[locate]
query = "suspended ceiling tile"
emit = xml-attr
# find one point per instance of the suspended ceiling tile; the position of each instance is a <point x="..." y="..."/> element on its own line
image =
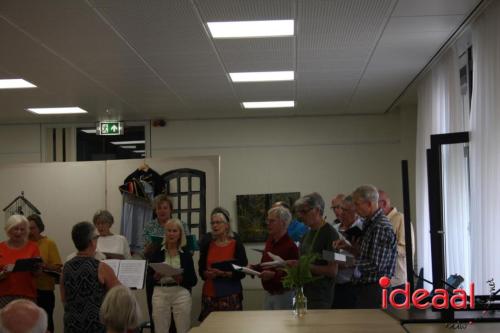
<point x="341" y="24"/>
<point x="265" y="91"/>
<point x="244" y="10"/>
<point x="434" y="7"/>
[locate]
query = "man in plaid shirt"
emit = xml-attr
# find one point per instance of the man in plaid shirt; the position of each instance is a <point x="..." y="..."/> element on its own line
<point x="375" y="250"/>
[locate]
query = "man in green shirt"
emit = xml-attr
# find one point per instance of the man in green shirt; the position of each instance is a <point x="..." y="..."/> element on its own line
<point x="310" y="209"/>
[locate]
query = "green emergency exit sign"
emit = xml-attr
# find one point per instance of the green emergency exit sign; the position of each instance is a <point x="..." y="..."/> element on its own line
<point x="110" y="128"/>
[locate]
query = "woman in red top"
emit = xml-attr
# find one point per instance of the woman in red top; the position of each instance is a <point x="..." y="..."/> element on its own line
<point x="14" y="285"/>
<point x="222" y="289"/>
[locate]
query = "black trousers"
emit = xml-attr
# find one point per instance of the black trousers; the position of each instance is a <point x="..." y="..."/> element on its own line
<point x="368" y="296"/>
<point x="345" y="296"/>
<point x="46" y="300"/>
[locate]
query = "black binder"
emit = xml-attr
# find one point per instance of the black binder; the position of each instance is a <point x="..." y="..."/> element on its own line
<point x="27" y="265"/>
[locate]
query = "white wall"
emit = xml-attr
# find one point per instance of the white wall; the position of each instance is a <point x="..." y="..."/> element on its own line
<point x="324" y="154"/>
<point x="20" y="143"/>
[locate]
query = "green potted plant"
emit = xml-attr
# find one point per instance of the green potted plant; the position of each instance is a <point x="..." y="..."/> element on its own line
<point x="297" y="276"/>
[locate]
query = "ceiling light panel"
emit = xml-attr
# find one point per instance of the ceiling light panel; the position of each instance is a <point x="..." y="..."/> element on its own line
<point x="268" y="105"/>
<point x="251" y="29"/>
<point x="262" y="76"/>
<point x="15" y="84"/>
<point x="61" y="110"/>
<point x="89" y="131"/>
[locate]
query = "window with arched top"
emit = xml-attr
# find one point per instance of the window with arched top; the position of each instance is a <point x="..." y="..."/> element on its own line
<point x="187" y="189"/>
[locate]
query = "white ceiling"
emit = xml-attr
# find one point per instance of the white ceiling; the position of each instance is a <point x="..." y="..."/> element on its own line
<point x="145" y="59"/>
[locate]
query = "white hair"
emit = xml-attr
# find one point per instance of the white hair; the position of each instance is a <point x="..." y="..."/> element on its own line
<point x="367" y="193"/>
<point x="281" y="213"/>
<point x="15" y="220"/>
<point x="18" y="304"/>
<point x="120" y="310"/>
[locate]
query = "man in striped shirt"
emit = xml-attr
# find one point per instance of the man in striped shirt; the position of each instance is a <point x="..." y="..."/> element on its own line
<point x="375" y="250"/>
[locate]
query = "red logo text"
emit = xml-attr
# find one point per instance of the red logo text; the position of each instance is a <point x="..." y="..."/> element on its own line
<point x="420" y="297"/>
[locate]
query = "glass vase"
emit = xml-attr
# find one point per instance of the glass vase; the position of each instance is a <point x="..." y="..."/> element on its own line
<point x="299" y="303"/>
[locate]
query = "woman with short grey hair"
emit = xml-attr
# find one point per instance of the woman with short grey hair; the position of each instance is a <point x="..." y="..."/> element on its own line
<point x="120" y="310"/>
<point x="82" y="304"/>
<point x="111" y="245"/>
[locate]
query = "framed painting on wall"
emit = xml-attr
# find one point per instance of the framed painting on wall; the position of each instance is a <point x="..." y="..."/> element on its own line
<point x="252" y="212"/>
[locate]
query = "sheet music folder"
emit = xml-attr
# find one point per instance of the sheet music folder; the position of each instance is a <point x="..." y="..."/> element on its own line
<point x="226" y="266"/>
<point x="27" y="265"/>
<point x="130" y="273"/>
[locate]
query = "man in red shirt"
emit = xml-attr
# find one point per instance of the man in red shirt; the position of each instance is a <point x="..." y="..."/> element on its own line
<point x="280" y="244"/>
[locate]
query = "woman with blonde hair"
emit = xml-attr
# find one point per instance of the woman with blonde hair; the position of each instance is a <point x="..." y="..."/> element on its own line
<point x="172" y="294"/>
<point x="120" y="311"/>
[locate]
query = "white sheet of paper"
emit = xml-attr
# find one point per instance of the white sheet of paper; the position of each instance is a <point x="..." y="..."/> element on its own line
<point x="165" y="269"/>
<point x="277" y="261"/>
<point x="245" y="270"/>
<point x="344" y="256"/>
<point x="114" y="264"/>
<point x="132" y="273"/>
<point x="273" y="263"/>
<point x="275" y="257"/>
<point x="129" y="272"/>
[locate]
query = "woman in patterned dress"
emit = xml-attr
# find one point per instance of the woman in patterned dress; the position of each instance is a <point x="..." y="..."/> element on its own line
<point x="84" y="283"/>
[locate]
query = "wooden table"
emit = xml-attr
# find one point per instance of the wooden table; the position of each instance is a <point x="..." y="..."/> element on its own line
<point x="315" y="321"/>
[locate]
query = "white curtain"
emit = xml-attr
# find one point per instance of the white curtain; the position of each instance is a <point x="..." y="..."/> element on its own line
<point x="485" y="149"/>
<point x="440" y="111"/>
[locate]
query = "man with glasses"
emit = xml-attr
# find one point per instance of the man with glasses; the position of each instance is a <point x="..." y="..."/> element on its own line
<point x="337" y="208"/>
<point x="343" y="285"/>
<point x="375" y="252"/>
<point x="280" y="244"/>
<point x="310" y="209"/>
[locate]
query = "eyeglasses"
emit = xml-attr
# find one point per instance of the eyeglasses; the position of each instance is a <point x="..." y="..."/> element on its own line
<point x="304" y="211"/>
<point x="216" y="222"/>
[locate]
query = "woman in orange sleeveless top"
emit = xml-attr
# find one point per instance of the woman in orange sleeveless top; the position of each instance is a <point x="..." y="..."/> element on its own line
<point x="222" y="290"/>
